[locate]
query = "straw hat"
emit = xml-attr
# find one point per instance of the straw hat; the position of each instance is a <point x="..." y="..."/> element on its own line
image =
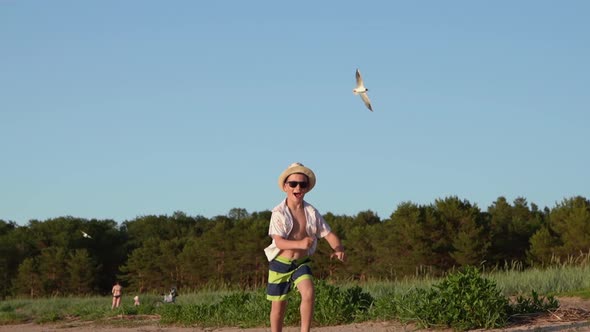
<point x="297" y="168"/>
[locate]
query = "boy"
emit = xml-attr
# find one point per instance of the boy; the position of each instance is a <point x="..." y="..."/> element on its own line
<point x="295" y="226"/>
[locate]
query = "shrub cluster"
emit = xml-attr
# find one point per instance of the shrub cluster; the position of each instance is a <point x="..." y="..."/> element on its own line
<point x="464" y="300"/>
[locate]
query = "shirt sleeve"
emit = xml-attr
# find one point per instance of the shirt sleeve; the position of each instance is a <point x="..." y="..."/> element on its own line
<point x="323" y="228"/>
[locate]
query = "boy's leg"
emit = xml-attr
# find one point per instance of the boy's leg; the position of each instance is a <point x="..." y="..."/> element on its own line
<point x="277" y="315"/>
<point x="307" y="292"/>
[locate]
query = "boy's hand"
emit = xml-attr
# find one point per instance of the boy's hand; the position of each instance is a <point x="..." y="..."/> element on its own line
<point x="306" y="243"/>
<point x="338" y="254"/>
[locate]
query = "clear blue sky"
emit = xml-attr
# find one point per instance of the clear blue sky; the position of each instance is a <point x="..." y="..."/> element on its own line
<point x="118" y="109"/>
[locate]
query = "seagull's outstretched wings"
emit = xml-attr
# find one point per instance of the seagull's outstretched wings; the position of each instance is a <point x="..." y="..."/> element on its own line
<point x="366" y="100"/>
<point x="84" y="234"/>
<point x="362" y="90"/>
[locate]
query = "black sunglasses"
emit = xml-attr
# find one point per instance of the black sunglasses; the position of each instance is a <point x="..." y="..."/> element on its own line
<point x="294" y="184"/>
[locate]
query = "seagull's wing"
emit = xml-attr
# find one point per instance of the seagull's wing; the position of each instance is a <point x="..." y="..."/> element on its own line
<point x="366" y="101"/>
<point x="359" y="80"/>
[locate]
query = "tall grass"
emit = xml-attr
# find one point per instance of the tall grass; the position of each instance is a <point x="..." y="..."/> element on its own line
<point x="551" y="280"/>
<point x="53" y="309"/>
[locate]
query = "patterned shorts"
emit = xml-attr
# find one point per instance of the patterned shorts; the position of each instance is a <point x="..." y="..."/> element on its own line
<point x="284" y="274"/>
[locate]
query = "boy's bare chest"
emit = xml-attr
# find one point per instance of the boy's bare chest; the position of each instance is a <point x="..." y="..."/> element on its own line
<point x="299" y="227"/>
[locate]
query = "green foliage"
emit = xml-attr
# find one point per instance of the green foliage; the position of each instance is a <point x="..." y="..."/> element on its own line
<point x="237" y="309"/>
<point x="570" y="221"/>
<point x="9" y="257"/>
<point x="49" y="317"/>
<point x="28" y="280"/>
<point x="554" y="279"/>
<point x="511" y="226"/>
<point x="11" y="313"/>
<point x="533" y="304"/>
<point x="151" y="253"/>
<point x="81" y="272"/>
<point x="335" y="305"/>
<point x="583" y="293"/>
<point x="89" y="310"/>
<point x="543" y="244"/>
<point x="464" y="300"/>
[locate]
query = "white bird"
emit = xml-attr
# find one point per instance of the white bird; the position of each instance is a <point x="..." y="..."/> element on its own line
<point x="86" y="235"/>
<point x="361" y="90"/>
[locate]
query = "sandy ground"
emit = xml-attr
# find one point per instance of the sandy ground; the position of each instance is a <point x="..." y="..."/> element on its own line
<point x="373" y="327"/>
<point x="573" y="315"/>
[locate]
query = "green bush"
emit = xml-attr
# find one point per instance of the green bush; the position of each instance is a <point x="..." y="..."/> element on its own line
<point x="335" y="305"/>
<point x="533" y="304"/>
<point x="464" y="300"/>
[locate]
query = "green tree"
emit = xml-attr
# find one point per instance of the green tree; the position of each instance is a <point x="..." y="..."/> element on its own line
<point x="9" y="258"/>
<point x="53" y="274"/>
<point x="360" y="251"/>
<point x="220" y="246"/>
<point x="543" y="246"/>
<point x="251" y="267"/>
<point x="565" y="233"/>
<point x="385" y="249"/>
<point x="81" y="272"/>
<point x="511" y="227"/>
<point x="323" y="266"/>
<point x="198" y="266"/>
<point x="367" y="217"/>
<point x="28" y="280"/>
<point x="107" y="250"/>
<point x="408" y="240"/>
<point x="142" y="271"/>
<point x="571" y="221"/>
<point x="471" y="244"/>
<point x="169" y="262"/>
<point x="455" y="222"/>
<point x="238" y="214"/>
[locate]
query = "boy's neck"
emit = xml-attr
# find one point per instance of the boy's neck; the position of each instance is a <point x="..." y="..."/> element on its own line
<point x="295" y="205"/>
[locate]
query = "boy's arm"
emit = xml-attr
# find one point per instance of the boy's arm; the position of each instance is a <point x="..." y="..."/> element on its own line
<point x="285" y="244"/>
<point x="336" y="245"/>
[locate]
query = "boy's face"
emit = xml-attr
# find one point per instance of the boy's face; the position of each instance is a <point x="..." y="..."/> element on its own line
<point x="296" y="187"/>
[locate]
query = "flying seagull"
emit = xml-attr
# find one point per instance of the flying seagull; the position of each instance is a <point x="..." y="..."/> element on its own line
<point x="86" y="235"/>
<point x="361" y="90"/>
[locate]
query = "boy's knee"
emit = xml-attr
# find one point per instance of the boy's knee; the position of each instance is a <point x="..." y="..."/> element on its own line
<point x="307" y="292"/>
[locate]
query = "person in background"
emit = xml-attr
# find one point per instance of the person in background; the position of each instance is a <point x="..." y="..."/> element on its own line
<point x="117" y="292"/>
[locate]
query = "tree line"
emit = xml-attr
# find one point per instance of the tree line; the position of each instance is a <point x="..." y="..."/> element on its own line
<point x="153" y="252"/>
